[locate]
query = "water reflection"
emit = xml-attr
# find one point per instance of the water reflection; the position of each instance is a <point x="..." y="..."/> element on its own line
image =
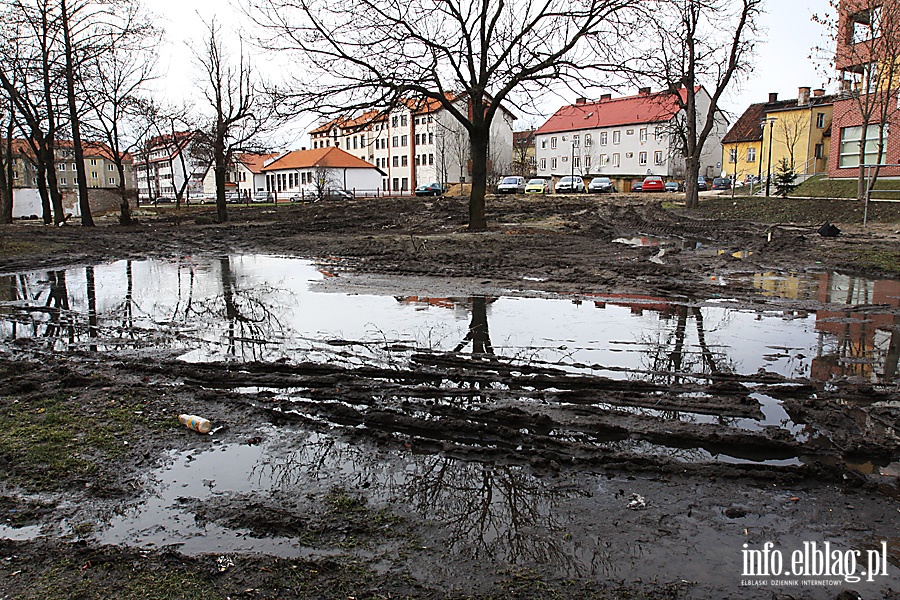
<point x="270" y="308"/>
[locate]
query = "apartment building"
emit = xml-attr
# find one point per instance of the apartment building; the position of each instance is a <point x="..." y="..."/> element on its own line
<point x="866" y="112"/>
<point x="797" y="129"/>
<point x="417" y="142"/>
<point x="167" y="164"/>
<point x="100" y="167"/>
<point x="622" y="138"/>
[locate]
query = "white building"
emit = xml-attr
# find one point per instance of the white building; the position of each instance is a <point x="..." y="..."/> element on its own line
<point x="307" y="172"/>
<point x="167" y="165"/>
<point x="416" y="143"/>
<point x="244" y="177"/>
<point x="623" y="138"/>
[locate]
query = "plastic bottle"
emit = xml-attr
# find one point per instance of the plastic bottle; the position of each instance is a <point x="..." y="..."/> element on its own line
<point x="196" y="423"/>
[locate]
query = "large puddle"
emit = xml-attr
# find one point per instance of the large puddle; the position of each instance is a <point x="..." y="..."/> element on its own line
<point x="269" y="308"/>
<point x="272" y="308"/>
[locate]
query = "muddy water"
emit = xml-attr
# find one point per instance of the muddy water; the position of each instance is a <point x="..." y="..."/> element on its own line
<point x="270" y="308"/>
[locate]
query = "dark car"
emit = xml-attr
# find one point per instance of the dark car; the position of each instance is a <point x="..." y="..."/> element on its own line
<point x="673" y="186"/>
<point x="701" y="184"/>
<point x="335" y="195"/>
<point x="721" y="183"/>
<point x="637" y="186"/>
<point x="653" y="183"/>
<point x="430" y="189"/>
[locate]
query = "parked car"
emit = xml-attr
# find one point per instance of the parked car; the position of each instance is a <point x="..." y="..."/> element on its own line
<point x="569" y="184"/>
<point x="601" y="184"/>
<point x="537" y="186"/>
<point x="637" y="185"/>
<point x="673" y="186"/>
<point x="430" y="189"/>
<point x="653" y="183"/>
<point x="232" y="197"/>
<point x="721" y="183"/>
<point x="511" y="185"/>
<point x="263" y="196"/>
<point x="701" y="184"/>
<point x="335" y="195"/>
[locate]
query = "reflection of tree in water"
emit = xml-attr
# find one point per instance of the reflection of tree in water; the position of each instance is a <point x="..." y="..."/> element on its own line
<point x="249" y="317"/>
<point x="669" y="357"/>
<point x="478" y="334"/>
<point x="489" y="512"/>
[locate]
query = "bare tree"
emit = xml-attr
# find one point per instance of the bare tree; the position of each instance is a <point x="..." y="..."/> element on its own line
<point x="119" y="114"/>
<point x="29" y="77"/>
<point x="868" y="56"/>
<point x="7" y="161"/>
<point x="240" y="113"/>
<point x="791" y="127"/>
<point x="469" y="57"/>
<point x="694" y="45"/>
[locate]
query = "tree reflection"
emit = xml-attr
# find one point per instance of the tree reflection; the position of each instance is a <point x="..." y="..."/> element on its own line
<point x="478" y="334"/>
<point x="488" y="512"/>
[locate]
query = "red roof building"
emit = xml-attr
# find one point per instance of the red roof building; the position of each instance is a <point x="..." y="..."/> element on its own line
<point x="625" y="138"/>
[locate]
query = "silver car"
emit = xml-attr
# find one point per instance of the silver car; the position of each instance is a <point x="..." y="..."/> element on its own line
<point x="601" y="184"/>
<point x="511" y="185"/>
<point x="570" y="184"/>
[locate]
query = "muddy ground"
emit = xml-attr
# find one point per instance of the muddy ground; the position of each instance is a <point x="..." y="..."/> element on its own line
<point x="523" y="481"/>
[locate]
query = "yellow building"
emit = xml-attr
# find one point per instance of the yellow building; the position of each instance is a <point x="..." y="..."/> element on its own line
<point x="798" y="130"/>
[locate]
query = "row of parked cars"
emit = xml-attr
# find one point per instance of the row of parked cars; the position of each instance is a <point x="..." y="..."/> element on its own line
<point x="575" y="184"/>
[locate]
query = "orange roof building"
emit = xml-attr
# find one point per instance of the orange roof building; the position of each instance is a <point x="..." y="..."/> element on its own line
<point x="310" y="172"/>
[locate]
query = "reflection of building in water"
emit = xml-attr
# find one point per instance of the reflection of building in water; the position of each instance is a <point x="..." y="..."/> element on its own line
<point x="867" y="343"/>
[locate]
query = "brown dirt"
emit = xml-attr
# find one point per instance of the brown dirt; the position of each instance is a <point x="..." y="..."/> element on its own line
<point x="366" y="550"/>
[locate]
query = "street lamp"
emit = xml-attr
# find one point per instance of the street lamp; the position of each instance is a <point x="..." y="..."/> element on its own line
<point x="771" y="123"/>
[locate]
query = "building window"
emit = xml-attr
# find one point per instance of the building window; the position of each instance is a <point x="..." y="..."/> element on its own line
<point x="110" y="167"/>
<point x="732" y="155"/>
<point x="604" y="160"/>
<point x="587" y="140"/>
<point x="553" y="143"/>
<point x="111" y="181"/>
<point x="62" y="166"/>
<point x="820" y="150"/>
<point x="543" y="164"/>
<point x="355" y="142"/>
<point x="576" y="162"/>
<point x="820" y="120"/>
<point x="394" y="124"/>
<point x="644" y="136"/>
<point x="587" y="161"/>
<point x="617" y="137"/>
<point x="616" y="161"/>
<point x="404" y="161"/>
<point x="63" y="181"/>
<point x="658" y="157"/>
<point x="430" y="138"/>
<point x="751" y="154"/>
<point x="396" y="161"/>
<point x="93" y="162"/>
<point x="404" y="184"/>
<point x="431" y="159"/>
<point x="575" y="141"/>
<point x="395" y="141"/>
<point x="543" y="144"/>
<point x="93" y="174"/>
<point x="851" y="138"/>
<point x="404" y="140"/>
<point x="553" y="163"/>
<point x="403" y="123"/>
<point x="418" y="161"/>
<point x="396" y="182"/>
<point x="642" y="158"/>
<point x="604" y="137"/>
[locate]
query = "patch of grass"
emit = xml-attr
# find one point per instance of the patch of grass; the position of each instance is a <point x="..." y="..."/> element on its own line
<point x="820" y="186"/>
<point x="882" y="259"/>
<point x="17" y="247"/>
<point x="46" y="442"/>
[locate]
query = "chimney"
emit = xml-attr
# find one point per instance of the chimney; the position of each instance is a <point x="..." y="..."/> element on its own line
<point x="818" y="93"/>
<point x="773" y="97"/>
<point x="803" y="95"/>
<point x="580" y="101"/>
<point x="644" y="91"/>
<point x="605" y="97"/>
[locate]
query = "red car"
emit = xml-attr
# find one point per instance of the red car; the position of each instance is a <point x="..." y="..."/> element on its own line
<point x="654" y="183"/>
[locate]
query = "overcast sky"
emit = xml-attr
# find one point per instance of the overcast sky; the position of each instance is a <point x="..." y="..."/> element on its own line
<point x="782" y="63"/>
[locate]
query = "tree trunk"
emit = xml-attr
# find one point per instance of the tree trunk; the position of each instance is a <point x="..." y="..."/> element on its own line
<point x="6" y="201"/>
<point x="59" y="215"/>
<point x="46" y="208"/>
<point x="691" y="189"/>
<point x="75" y="121"/>
<point x="479" y="143"/>
<point x="219" y="166"/>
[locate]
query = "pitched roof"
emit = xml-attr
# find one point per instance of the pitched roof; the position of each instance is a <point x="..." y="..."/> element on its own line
<point x="748" y="127"/>
<point x="329" y="157"/>
<point x="255" y="162"/>
<point x="630" y="110"/>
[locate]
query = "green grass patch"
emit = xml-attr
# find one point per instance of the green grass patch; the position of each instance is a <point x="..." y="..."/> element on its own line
<point x="882" y="259"/>
<point x="820" y="186"/>
<point x="46" y="442"/>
